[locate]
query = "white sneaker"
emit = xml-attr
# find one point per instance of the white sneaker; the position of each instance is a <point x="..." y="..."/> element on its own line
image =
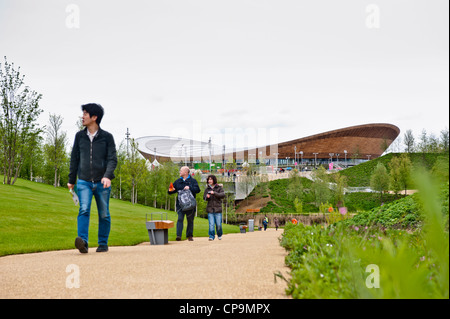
<point x="210" y="239"/>
<point x="220" y="238"/>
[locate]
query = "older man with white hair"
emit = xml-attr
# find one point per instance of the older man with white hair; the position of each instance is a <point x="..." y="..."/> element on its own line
<point x="185" y="182"/>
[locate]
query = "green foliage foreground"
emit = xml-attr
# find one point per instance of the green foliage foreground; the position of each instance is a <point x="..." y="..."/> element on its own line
<point x="36" y="217"/>
<point x="342" y="261"/>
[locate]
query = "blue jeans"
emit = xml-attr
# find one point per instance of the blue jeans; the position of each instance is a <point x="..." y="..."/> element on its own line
<point x="215" y="219"/>
<point x="85" y="192"/>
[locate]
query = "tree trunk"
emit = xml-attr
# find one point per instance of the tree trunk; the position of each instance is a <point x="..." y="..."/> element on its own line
<point x="55" y="177"/>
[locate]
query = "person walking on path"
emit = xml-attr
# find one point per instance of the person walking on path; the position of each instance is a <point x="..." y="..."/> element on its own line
<point x="276" y="222"/>
<point x="213" y="195"/>
<point x="185" y="182"/>
<point x="93" y="160"/>
<point x="265" y="222"/>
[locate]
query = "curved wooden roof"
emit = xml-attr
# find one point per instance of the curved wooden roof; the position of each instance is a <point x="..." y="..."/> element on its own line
<point x="359" y="141"/>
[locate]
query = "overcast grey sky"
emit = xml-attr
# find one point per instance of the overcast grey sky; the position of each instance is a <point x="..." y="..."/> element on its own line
<point x="174" y="67"/>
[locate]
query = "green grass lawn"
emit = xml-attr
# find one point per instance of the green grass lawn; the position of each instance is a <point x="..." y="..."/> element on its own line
<point x="36" y="217"/>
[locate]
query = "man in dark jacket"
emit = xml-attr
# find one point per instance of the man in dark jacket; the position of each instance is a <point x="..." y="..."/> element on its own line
<point x="185" y="182"/>
<point x="94" y="160"/>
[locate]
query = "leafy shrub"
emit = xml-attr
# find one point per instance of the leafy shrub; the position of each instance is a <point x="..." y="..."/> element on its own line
<point x="331" y="262"/>
<point x="402" y="213"/>
<point x="318" y="270"/>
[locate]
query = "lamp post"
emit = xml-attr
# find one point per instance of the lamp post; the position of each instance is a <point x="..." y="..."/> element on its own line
<point x="315" y="159"/>
<point x="209" y="145"/>
<point x="127" y="134"/>
<point x="295" y="154"/>
<point x="223" y="161"/>
<point x="331" y="157"/>
<point x="345" y="154"/>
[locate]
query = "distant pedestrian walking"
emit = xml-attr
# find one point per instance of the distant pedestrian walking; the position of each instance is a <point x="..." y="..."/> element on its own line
<point x="265" y="222"/>
<point x="213" y="195"/>
<point x="276" y="222"/>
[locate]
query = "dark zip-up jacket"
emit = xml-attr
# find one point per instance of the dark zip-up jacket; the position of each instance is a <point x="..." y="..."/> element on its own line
<point x="92" y="161"/>
<point x="180" y="184"/>
<point x="215" y="200"/>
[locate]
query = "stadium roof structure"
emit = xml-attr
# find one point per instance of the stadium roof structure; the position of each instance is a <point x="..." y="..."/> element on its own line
<point x="358" y="142"/>
<point x="175" y="148"/>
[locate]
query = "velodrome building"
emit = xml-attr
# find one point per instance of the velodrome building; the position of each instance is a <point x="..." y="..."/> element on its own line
<point x="350" y="145"/>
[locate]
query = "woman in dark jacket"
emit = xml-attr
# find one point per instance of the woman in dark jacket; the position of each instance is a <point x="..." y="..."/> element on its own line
<point x="213" y="195"/>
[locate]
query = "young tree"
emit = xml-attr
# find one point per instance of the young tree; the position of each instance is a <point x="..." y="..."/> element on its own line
<point x="339" y="190"/>
<point x="405" y="171"/>
<point x="33" y="164"/>
<point x="444" y="140"/>
<point x="433" y="144"/>
<point x="394" y="175"/>
<point x="295" y="186"/>
<point x="298" y="204"/>
<point x="169" y="173"/>
<point x="116" y="184"/>
<point x="409" y="141"/>
<point x="320" y="186"/>
<point x="379" y="180"/>
<point x="19" y="113"/>
<point x="55" y="148"/>
<point x="423" y="146"/>
<point x="135" y="170"/>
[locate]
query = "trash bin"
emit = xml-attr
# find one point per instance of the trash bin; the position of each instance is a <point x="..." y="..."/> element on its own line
<point x="242" y="227"/>
<point x="158" y="230"/>
<point x="251" y="225"/>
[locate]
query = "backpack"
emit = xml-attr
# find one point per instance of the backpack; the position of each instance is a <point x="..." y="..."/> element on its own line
<point x="186" y="200"/>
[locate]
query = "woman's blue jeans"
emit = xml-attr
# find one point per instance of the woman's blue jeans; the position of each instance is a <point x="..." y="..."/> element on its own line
<point x="87" y="190"/>
<point x="215" y="219"/>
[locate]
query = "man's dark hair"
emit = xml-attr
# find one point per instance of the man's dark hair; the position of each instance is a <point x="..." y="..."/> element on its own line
<point x="214" y="178"/>
<point x="94" y="109"/>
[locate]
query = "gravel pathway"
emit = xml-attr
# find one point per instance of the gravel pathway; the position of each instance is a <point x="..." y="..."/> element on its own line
<point x="240" y="266"/>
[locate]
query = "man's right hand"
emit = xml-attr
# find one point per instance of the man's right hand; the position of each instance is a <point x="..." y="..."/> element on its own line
<point x="70" y="186"/>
